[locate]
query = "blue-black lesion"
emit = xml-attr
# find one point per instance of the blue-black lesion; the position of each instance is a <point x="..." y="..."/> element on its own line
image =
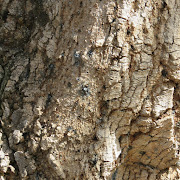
<point x="84" y="91"/>
<point x="77" y="59"/>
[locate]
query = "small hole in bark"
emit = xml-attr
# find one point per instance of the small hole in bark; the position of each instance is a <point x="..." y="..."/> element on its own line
<point x="4" y="16"/>
<point x="94" y="160"/>
<point x="132" y="47"/>
<point x="142" y="152"/>
<point x="128" y="32"/>
<point x="104" y="87"/>
<point x="90" y="53"/>
<point x="115" y="8"/>
<point x="129" y="148"/>
<point x="164" y="73"/>
<point x="81" y="4"/>
<point x="164" y="4"/>
<point x="26" y="135"/>
<point x="69" y="85"/>
<point x="95" y="138"/>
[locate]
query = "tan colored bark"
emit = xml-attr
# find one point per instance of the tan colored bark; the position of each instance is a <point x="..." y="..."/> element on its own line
<point x="90" y="89"/>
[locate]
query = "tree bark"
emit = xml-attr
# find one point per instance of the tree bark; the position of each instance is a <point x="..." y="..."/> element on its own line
<point x="89" y="89"/>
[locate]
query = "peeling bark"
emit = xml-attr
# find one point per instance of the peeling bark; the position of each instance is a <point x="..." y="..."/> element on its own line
<point x="89" y="89"/>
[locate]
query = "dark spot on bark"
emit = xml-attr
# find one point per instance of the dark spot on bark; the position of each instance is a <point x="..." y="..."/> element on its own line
<point x="132" y="47"/>
<point x="95" y="138"/>
<point x="147" y="97"/>
<point x="145" y="31"/>
<point x="61" y="26"/>
<point x="164" y="4"/>
<point x="27" y="71"/>
<point x="5" y="14"/>
<point x="90" y="53"/>
<point x="77" y="59"/>
<point x="100" y="120"/>
<point x="128" y="32"/>
<point x="39" y="14"/>
<point x="1" y="113"/>
<point x="129" y="148"/>
<point x="104" y="105"/>
<point x="81" y="4"/>
<point x="104" y="87"/>
<point x="164" y="73"/>
<point x="84" y="91"/>
<point x="69" y="85"/>
<point x="72" y="15"/>
<point x="94" y="160"/>
<point x="142" y="152"/>
<point x="115" y="8"/>
<point x="113" y="20"/>
<point x="50" y="69"/>
<point x="29" y="20"/>
<point x="43" y="19"/>
<point x="75" y="132"/>
<point x="48" y="100"/>
<point x="51" y="66"/>
<point x="26" y="135"/>
<point x="69" y="128"/>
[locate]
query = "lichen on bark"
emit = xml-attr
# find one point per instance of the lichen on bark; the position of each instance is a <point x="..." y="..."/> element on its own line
<point x="89" y="89"/>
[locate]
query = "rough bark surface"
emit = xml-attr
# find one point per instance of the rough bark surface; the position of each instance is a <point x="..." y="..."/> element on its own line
<point x="89" y="89"/>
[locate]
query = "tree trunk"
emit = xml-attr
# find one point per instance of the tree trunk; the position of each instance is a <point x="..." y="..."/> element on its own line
<point x="89" y="89"/>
